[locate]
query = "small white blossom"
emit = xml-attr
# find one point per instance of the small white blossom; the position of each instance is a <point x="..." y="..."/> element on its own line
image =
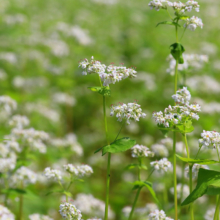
<point x="82" y="170"/>
<point x="161" y="165"/>
<point x="193" y="22"/>
<point x="5" y="214"/>
<point x="195" y="170"/>
<point x="160" y="150"/>
<point x="18" y="121"/>
<point x="209" y="215"/>
<point x="70" y="212"/>
<point x="210" y="139"/>
<point x="159" y="4"/>
<point x="141" y="151"/>
<point x="54" y="174"/>
<point x="127" y="111"/>
<point x="7" y="104"/>
<point x="64" y="99"/>
<point x="39" y="217"/>
<point x="158" y="215"/>
<point x="182" y="96"/>
<point x="23" y="175"/>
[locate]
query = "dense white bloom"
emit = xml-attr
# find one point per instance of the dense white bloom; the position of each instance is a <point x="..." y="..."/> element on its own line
<point x="194" y="61"/>
<point x="7" y="164"/>
<point x="9" y="57"/>
<point x="181" y="188"/>
<point x="182" y="96"/>
<point x="7" y="104"/>
<point x="23" y="175"/>
<point x="195" y="170"/>
<point x="159" y="4"/>
<point x="54" y="174"/>
<point x="91" y="206"/>
<point x="82" y="170"/>
<point x="193" y="22"/>
<point x="5" y="214"/>
<point x="161" y="165"/>
<point x="19" y="121"/>
<point x="108" y="75"/>
<point x="39" y="217"/>
<point x="141" y="151"/>
<point x="70" y="212"/>
<point x="210" y="139"/>
<point x="64" y="99"/>
<point x="191" y="4"/>
<point x="127" y="111"/>
<point x="158" y="215"/>
<point x="160" y="150"/>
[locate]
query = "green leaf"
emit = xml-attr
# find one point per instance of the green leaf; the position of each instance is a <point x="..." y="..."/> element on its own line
<point x="177" y="50"/>
<point x="212" y="190"/>
<point x="98" y="150"/>
<point x="183" y="17"/>
<point x="14" y="190"/>
<point x="55" y="191"/>
<point x="198" y="161"/>
<point x="133" y="165"/>
<point x="119" y="145"/>
<point x="163" y="129"/>
<point x="148" y="185"/>
<point x="69" y="194"/>
<point x="105" y="90"/>
<point x="186" y="127"/>
<point x="207" y="179"/>
<point x="169" y="23"/>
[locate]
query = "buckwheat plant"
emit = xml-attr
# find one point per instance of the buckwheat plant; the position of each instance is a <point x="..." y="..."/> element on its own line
<point x="180" y="20"/>
<point x="124" y="112"/>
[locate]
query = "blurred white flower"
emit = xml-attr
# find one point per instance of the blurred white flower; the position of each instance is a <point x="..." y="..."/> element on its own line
<point x="39" y="217"/>
<point x="158" y="215"/>
<point x="19" y="121"/>
<point x="69" y="211"/>
<point x="64" y="99"/>
<point x="162" y="165"/>
<point x="195" y="170"/>
<point x="5" y="214"/>
<point x="160" y="150"/>
<point x="141" y="151"/>
<point x="181" y="188"/>
<point x="193" y="22"/>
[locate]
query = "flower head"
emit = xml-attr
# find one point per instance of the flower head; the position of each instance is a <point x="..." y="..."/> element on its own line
<point x="210" y="139"/>
<point x="5" y="214"/>
<point x="161" y="165"/>
<point x="70" y="212"/>
<point x="158" y="215"/>
<point x="141" y="151"/>
<point x="193" y="22"/>
<point x="195" y="170"/>
<point x="82" y="170"/>
<point x="54" y="174"/>
<point x="127" y="111"/>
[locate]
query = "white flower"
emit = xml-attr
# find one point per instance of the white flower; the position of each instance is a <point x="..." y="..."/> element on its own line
<point x="209" y="215"/>
<point x="195" y="170"/>
<point x="210" y="139"/>
<point x="191" y="4"/>
<point x="161" y="165"/>
<point x="23" y="175"/>
<point x="39" y="217"/>
<point x="160" y="150"/>
<point x="7" y="104"/>
<point x="181" y="188"/>
<point x="5" y="214"/>
<point x="70" y="212"/>
<point x="7" y="164"/>
<point x="64" y="99"/>
<point x="182" y="96"/>
<point x="54" y="174"/>
<point x="193" y="22"/>
<point x="158" y="215"/>
<point x="127" y="111"/>
<point x="141" y="151"/>
<point x="159" y="4"/>
<point x="82" y="170"/>
<point x="19" y="121"/>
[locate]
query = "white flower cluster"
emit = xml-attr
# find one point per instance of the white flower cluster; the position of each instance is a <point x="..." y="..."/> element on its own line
<point x="70" y="140"/>
<point x="160" y="150"/>
<point x="39" y="217"/>
<point x="91" y="206"/>
<point x="158" y="215"/>
<point x="54" y="174"/>
<point x="33" y="138"/>
<point x="70" y="212"/>
<point x="195" y="170"/>
<point x="7" y="164"/>
<point x="181" y="188"/>
<point x="82" y="170"/>
<point x="64" y="99"/>
<point x="18" y="121"/>
<point x="209" y="215"/>
<point x="141" y="151"/>
<point x="108" y="74"/>
<point x="210" y="139"/>
<point x="194" y="61"/>
<point x="161" y="165"/>
<point x="179" y="7"/>
<point x="5" y="214"/>
<point x="179" y="113"/>
<point x="24" y="176"/>
<point x="7" y="104"/>
<point x="193" y="22"/>
<point x="127" y="111"/>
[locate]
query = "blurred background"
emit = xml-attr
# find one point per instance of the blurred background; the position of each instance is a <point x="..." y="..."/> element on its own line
<point x="41" y="44"/>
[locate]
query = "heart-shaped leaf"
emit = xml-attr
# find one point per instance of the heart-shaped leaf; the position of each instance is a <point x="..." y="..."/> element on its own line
<point x="177" y="50"/>
<point x="105" y="90"/>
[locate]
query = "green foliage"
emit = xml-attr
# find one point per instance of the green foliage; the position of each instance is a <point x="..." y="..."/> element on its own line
<point x="177" y="50"/>
<point x="134" y="165"/>
<point x="169" y="23"/>
<point x="105" y="90"/>
<point x="186" y="127"/>
<point x="207" y="181"/>
<point x="119" y="145"/>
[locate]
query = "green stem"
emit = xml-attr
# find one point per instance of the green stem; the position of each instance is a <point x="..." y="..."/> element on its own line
<point x="177" y="32"/>
<point x="169" y="14"/>
<point x="176" y="77"/>
<point x="198" y="153"/>
<point x="218" y="153"/>
<point x="183" y="33"/>
<point x="21" y="204"/>
<point x="120" y="130"/>
<point x="109" y="161"/>
<point x="216" y="216"/>
<point x="190" y="185"/>
<point x="150" y="174"/>
<point x="134" y="204"/>
<point x="174" y="176"/>
<point x="186" y="143"/>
